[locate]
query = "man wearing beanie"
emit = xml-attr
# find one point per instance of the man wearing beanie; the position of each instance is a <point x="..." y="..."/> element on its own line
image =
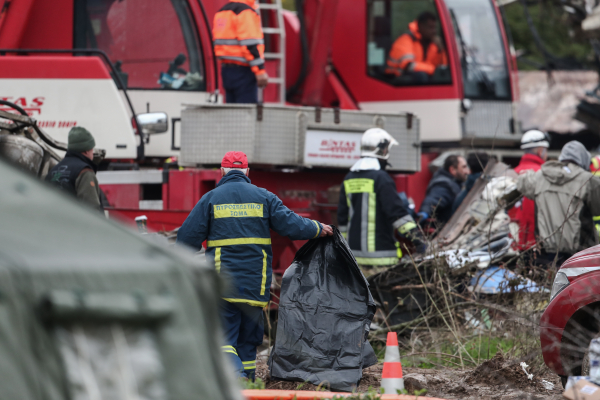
<point x="235" y="219"/>
<point x="566" y="204"/>
<point x="76" y="173"/>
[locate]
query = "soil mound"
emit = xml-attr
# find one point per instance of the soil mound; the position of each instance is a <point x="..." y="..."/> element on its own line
<point x="499" y="372"/>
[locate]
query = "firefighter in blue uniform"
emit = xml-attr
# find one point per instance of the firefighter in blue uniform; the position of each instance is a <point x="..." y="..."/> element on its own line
<point x="235" y="218"/>
<point x="370" y="211"/>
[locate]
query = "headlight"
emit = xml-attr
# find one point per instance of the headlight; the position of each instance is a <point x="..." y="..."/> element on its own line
<point x="560" y="282"/>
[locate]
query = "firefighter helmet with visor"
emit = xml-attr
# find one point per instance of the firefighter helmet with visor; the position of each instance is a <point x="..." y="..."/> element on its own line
<point x="376" y="142"/>
<point x="534" y="138"/>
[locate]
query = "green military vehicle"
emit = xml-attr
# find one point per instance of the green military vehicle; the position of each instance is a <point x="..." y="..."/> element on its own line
<point x="91" y="311"/>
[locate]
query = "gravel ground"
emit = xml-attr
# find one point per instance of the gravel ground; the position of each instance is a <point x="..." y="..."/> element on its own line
<point x="493" y="379"/>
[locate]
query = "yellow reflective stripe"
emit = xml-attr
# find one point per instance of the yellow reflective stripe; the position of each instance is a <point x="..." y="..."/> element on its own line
<point x="407" y="227"/>
<point x="264" y="274"/>
<point x="344" y="234"/>
<point x="229" y="349"/>
<point x="238" y="210"/>
<point x="318" y="229"/>
<point x="596" y="163"/>
<point x="218" y="259"/>
<point x="359" y="185"/>
<point x="398" y="250"/>
<point x="249" y="302"/>
<point x="233" y="242"/>
<point x="249" y="364"/>
<point x="377" y="261"/>
<point x="371" y="223"/>
<point x="596" y="218"/>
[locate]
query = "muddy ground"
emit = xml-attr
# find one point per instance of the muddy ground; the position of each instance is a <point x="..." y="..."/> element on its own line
<point x="493" y="379"/>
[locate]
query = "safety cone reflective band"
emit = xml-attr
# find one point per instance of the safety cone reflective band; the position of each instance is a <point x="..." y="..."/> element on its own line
<point x="391" y="378"/>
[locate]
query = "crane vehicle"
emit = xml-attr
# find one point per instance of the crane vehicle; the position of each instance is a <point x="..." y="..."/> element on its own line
<point x="98" y="63"/>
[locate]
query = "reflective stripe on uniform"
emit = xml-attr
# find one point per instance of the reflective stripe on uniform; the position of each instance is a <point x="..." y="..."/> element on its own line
<point x="256" y="62"/>
<point x="246" y="301"/>
<point x="377" y="261"/>
<point x="233" y="58"/>
<point x="218" y="259"/>
<point x="229" y="349"/>
<point x="398" y="251"/>
<point x="407" y="227"/>
<point x="264" y="274"/>
<point x="371" y="224"/>
<point x="226" y="42"/>
<point x="235" y="42"/>
<point x="251" y="42"/>
<point x="596" y="218"/>
<point x="401" y="221"/>
<point x="318" y="229"/>
<point x="249" y="364"/>
<point x="374" y="254"/>
<point x="233" y="242"/>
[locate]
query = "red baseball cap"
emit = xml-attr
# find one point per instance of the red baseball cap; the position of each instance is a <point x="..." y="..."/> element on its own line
<point x="234" y="159"/>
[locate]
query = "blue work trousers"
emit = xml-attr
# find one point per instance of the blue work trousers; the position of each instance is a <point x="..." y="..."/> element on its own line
<point x="239" y="83"/>
<point x="244" y="330"/>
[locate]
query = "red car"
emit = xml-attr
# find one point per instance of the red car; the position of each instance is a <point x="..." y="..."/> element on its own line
<point x="572" y="319"/>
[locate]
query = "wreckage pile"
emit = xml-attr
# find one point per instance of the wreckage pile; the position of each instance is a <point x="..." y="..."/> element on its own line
<point x="472" y="282"/>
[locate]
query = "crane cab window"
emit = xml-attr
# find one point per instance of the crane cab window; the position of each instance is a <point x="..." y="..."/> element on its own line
<point x="405" y="44"/>
<point x="153" y="44"/>
<point x="481" y="49"/>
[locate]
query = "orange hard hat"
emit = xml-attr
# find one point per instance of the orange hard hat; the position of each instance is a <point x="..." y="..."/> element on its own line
<point x="595" y="165"/>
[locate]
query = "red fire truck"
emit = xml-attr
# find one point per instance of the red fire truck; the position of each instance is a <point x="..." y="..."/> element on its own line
<point x="100" y="63"/>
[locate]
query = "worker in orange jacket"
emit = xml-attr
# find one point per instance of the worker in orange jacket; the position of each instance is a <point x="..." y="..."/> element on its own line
<point x="418" y="52"/>
<point x="239" y="44"/>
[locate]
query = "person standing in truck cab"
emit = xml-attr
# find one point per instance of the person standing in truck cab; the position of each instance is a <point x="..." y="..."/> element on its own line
<point x="370" y="213"/>
<point x="76" y="173"/>
<point x="239" y="45"/>
<point x="418" y="52"/>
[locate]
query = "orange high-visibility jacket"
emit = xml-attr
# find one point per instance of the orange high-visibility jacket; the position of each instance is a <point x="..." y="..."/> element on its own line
<point x="238" y="35"/>
<point x="407" y="54"/>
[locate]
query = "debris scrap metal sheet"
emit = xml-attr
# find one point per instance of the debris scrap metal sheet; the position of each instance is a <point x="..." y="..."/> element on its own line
<point x="252" y="394"/>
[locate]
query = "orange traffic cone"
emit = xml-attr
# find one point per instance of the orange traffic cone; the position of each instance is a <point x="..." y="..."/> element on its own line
<point x="391" y="377"/>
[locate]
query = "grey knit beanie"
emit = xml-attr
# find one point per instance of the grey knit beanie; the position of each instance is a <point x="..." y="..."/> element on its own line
<point x="80" y="140"/>
<point x="576" y="152"/>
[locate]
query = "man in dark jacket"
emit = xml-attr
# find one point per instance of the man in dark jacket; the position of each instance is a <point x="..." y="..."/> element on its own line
<point x="235" y="218"/>
<point x="476" y="163"/>
<point x="443" y="189"/>
<point x="76" y="173"/>
<point x="370" y="211"/>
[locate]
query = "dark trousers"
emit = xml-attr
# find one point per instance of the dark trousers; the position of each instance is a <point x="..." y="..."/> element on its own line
<point x="239" y="83"/>
<point x="244" y="330"/>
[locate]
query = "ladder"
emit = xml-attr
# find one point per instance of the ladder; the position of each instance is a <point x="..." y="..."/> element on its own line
<point x="278" y="56"/>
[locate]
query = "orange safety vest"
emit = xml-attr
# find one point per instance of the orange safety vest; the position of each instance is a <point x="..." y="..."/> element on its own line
<point x="238" y="35"/>
<point x="407" y="54"/>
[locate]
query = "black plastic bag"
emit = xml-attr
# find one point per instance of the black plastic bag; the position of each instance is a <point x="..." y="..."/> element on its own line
<point x="325" y="311"/>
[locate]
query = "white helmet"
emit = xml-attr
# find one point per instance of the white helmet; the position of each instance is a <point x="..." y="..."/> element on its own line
<point x="376" y="142"/>
<point x="535" y="138"/>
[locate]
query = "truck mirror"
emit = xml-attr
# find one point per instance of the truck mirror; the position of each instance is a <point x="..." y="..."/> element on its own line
<point x="152" y="123"/>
